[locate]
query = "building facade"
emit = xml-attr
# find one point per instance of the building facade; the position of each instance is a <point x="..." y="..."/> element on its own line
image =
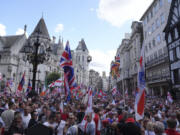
<point x="13" y="64"/>
<point x="157" y="64"/>
<point x="172" y="36"/>
<point x="95" y="81"/>
<point x="105" y="82"/>
<point x="129" y="52"/>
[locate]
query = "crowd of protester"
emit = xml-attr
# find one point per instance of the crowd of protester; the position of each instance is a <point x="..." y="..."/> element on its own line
<point x="111" y="116"/>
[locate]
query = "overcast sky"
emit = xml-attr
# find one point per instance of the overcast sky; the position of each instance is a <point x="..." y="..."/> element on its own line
<point x="102" y="23"/>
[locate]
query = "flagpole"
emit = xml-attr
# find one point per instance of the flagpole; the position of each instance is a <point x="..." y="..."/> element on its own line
<point x="123" y="93"/>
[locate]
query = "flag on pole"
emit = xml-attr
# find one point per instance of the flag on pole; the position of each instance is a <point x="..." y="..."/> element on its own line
<point x="22" y="82"/>
<point x="114" y="91"/>
<point x="29" y="88"/>
<point x="169" y="97"/>
<point x="140" y="97"/>
<point x="126" y="93"/>
<point x="67" y="65"/>
<point x="89" y="107"/>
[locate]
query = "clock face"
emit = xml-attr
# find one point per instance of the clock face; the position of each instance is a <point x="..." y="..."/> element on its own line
<point x="89" y="58"/>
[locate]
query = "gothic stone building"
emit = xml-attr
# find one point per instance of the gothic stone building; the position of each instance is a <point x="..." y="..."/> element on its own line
<point x="13" y="64"/>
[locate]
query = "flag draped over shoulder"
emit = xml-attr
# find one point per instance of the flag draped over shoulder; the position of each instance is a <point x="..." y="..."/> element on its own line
<point x="67" y="65"/>
<point x="140" y="97"/>
<point x="22" y="82"/>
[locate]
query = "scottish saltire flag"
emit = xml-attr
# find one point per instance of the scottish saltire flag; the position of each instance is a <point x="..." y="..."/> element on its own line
<point x="29" y="88"/>
<point x="169" y="97"/>
<point x="67" y="65"/>
<point x="140" y="97"/>
<point x="21" y="84"/>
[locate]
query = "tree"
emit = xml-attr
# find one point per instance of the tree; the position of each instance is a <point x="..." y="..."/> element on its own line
<point x="52" y="77"/>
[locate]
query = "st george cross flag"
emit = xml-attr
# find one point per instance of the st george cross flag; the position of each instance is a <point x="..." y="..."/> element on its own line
<point x="21" y="84"/>
<point x="114" y="91"/>
<point x="89" y="107"/>
<point x="140" y="97"/>
<point x="169" y="97"/>
<point x="67" y="65"/>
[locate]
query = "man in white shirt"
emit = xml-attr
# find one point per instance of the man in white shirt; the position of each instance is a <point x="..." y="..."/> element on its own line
<point x="8" y="116"/>
<point x="90" y="127"/>
<point x="26" y="116"/>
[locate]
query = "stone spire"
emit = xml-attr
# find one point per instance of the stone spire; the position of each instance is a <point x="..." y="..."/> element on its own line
<point x="41" y="30"/>
<point x="82" y="46"/>
<point x="60" y="43"/>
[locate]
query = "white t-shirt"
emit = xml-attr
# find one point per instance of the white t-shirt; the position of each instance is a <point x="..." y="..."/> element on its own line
<point x="26" y="120"/>
<point x="50" y="125"/>
<point x="61" y="127"/>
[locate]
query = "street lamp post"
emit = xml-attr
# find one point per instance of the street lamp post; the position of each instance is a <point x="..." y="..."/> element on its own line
<point x="35" y="57"/>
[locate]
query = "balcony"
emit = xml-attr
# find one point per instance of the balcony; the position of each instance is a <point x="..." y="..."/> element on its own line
<point x="158" y="78"/>
<point x="161" y="59"/>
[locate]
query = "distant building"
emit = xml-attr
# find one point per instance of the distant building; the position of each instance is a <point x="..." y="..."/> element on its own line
<point x="129" y="52"/>
<point x="157" y="65"/>
<point x="172" y="35"/>
<point x="105" y="82"/>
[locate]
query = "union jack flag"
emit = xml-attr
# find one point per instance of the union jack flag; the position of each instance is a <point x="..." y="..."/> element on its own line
<point x="67" y="65"/>
<point x="29" y="88"/>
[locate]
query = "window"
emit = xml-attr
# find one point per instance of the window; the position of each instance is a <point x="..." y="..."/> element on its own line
<point x="146" y="48"/>
<point x="147" y="18"/>
<point x="157" y="23"/>
<point x="151" y="57"/>
<point x="178" y="52"/>
<point x="149" y="31"/>
<point x="145" y="34"/>
<point x="83" y="58"/>
<point x="151" y="13"/>
<point x="162" y="18"/>
<point x="160" y="52"/>
<point x="156" y="7"/>
<point x="169" y="1"/>
<point x="169" y="38"/>
<point x="171" y="55"/>
<point x="176" y="33"/>
<point x="153" y="28"/>
<point x="176" y="73"/>
<point x="149" y="45"/>
<point x="160" y="3"/>
<point x="154" y="42"/>
<point x="158" y="38"/>
<point x="155" y="55"/>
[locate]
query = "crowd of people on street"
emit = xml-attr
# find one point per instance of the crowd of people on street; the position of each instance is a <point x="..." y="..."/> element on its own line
<point x="110" y="115"/>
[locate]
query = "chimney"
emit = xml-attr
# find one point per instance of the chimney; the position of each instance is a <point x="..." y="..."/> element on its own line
<point x="54" y="39"/>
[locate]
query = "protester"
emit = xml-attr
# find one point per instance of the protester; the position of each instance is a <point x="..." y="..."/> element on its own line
<point x="34" y="119"/>
<point x="8" y="117"/>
